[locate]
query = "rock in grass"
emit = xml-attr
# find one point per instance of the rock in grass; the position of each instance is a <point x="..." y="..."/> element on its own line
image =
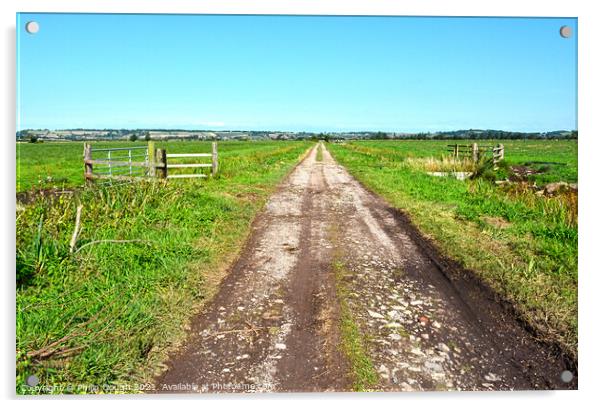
<point x="492" y="377"/>
<point x="432" y="366"/>
<point x="443" y="347"/>
<point x="375" y="315"/>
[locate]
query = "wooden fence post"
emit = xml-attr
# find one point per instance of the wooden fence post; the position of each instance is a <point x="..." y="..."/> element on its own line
<point x="456" y="153"/>
<point x="501" y="151"/>
<point x="109" y="160"/>
<point x="214" y="159"/>
<point x="475" y="152"/>
<point x="162" y="163"/>
<point x="88" y="163"/>
<point x="152" y="159"/>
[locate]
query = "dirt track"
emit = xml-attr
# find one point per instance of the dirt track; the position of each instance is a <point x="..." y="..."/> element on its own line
<point x="273" y="326"/>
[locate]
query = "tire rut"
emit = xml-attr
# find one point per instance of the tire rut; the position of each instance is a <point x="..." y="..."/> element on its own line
<point x="268" y="327"/>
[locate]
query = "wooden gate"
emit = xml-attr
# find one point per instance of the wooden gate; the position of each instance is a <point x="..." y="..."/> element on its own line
<point x="475" y="152"/>
<point x="137" y="162"/>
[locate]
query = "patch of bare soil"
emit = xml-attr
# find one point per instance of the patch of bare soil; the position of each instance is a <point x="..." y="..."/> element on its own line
<point x="273" y="325"/>
<point x="520" y="173"/>
<point x="270" y="327"/>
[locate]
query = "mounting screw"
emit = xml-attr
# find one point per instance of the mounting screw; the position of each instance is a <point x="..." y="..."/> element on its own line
<point x="32" y="27"/>
<point x="566" y="31"/>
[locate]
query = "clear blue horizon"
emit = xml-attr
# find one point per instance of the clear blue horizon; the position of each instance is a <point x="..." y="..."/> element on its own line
<point x="296" y="73"/>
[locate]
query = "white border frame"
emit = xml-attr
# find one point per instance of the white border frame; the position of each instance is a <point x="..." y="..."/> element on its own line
<point x="589" y="69"/>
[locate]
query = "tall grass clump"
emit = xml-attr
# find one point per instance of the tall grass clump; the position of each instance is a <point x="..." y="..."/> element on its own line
<point x="442" y="164"/>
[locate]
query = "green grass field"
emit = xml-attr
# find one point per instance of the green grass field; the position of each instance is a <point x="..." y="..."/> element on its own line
<point x="60" y="164"/>
<point x="107" y="313"/>
<point x="522" y="244"/>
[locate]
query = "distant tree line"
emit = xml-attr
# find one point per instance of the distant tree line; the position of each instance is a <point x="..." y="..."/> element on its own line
<point x="327" y="137"/>
<point x="475" y="134"/>
<point x="500" y="134"/>
<point x="33" y="135"/>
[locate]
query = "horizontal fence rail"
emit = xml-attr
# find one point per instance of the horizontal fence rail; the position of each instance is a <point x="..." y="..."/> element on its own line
<point x="186" y="165"/>
<point x="189" y="155"/>
<point x="115" y="163"/>
<point x="125" y="164"/>
<point x="114" y="149"/>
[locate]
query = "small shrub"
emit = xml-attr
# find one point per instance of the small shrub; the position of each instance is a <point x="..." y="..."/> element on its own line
<point x="484" y="170"/>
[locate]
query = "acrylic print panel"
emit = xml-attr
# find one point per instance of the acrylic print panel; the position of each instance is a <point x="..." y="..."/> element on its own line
<point x="220" y="204"/>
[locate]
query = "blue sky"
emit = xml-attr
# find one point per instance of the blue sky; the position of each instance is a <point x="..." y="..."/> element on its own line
<point x="313" y="73"/>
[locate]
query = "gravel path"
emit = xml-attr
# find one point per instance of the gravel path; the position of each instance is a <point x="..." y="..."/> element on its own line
<point x="273" y="326"/>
